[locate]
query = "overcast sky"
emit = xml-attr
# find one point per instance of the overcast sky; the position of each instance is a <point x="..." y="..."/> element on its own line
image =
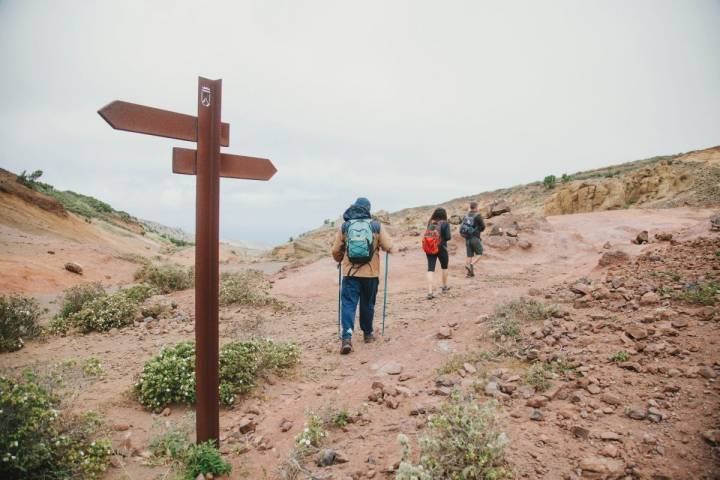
<point x="407" y="103"/>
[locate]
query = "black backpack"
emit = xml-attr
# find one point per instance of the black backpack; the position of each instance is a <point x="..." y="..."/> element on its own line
<point x="467" y="227"/>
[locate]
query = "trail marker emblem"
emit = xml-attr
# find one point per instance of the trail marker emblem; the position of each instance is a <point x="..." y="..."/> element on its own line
<point x="208" y="164"/>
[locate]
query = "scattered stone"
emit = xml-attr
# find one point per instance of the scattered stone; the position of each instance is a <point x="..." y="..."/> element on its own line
<point x="580" y="432"/>
<point x="446" y="381"/>
<point x="246" y="425"/>
<point x="469" y="368"/>
<point x="392" y="368"/>
<point x="604" y="466"/>
<point x="524" y="244"/>
<point x="664" y="236"/>
<point x="610" y="450"/>
<point x="392" y="402"/>
<point x="636" y="412"/>
<point x="649" y="298"/>
<point x="74" y="267"/>
<point x="607" y="246"/>
<point x="609" y="437"/>
<point x="679" y="322"/>
<point x="654" y="415"/>
<point x="613" y="257"/>
<point x="636" y="331"/>
<point x="120" y="427"/>
<point x="536" y="415"/>
<point x="642" y="237"/>
<point x="538" y="401"/>
<point x="707" y="372"/>
<point x="444" y="333"/>
<point x="286" y="425"/>
<point x="611" y="399"/>
<point x="326" y="457"/>
<point x="715" y="222"/>
<point x="712" y="436"/>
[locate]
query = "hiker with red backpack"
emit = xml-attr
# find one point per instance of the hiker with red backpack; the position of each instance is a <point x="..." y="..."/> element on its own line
<point x="434" y="244"/>
<point x="357" y="247"/>
<point x="471" y="227"/>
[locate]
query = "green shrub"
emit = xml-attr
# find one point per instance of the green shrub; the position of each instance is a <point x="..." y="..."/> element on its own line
<point x="18" y="321"/>
<point x="701" y="294"/>
<point x="312" y="436"/>
<point x="246" y="288"/>
<point x="92" y="367"/>
<point x="550" y="182"/>
<point x="204" y="458"/>
<point x="539" y="375"/>
<point x="507" y="318"/>
<point x="166" y="277"/>
<point x="104" y="313"/>
<point x="40" y="442"/>
<point x="140" y="292"/>
<point x="170" y="377"/>
<point x="621" y="356"/>
<point x="462" y="442"/>
<point x="565" y="178"/>
<point x="75" y="298"/>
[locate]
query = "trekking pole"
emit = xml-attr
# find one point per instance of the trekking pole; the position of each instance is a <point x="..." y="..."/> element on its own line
<point x="339" y="301"/>
<point x="387" y="267"/>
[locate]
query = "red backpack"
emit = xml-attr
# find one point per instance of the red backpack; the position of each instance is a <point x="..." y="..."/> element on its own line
<point x="431" y="238"/>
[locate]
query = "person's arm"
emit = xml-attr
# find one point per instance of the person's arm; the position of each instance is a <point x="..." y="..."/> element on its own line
<point x="479" y="223"/>
<point x="338" y="248"/>
<point x="385" y="241"/>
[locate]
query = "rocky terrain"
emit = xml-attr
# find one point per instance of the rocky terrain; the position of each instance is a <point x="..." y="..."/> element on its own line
<point x="594" y="334"/>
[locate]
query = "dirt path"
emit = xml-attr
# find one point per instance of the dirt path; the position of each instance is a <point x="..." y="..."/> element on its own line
<point x="564" y="249"/>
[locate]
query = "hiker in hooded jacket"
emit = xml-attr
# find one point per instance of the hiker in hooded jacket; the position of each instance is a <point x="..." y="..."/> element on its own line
<point x="434" y="244"/>
<point x="357" y="246"/>
<point x="470" y="229"/>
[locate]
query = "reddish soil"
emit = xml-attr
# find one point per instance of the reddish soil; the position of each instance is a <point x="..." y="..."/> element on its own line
<point x="675" y="371"/>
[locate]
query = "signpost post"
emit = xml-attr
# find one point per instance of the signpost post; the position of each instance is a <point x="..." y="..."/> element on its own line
<point x="208" y="165"/>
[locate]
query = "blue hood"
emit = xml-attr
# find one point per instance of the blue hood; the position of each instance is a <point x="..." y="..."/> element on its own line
<point x="356" y="212"/>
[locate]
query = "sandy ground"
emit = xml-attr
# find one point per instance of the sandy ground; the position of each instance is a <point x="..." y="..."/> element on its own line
<point x="564" y="249"/>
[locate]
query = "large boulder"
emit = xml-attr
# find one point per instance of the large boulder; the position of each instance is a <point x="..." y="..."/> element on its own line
<point x="498" y="207"/>
<point x="74" y="267"/>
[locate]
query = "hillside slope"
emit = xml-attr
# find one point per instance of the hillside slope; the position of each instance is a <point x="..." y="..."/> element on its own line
<point x="690" y="179"/>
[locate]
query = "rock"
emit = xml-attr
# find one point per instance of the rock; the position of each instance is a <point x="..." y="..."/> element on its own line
<point x="610" y="450"/>
<point x="580" y="432"/>
<point x="166" y="412"/>
<point x="120" y="427"/>
<point x="679" y="322"/>
<point x="611" y="399"/>
<point x="446" y="381"/>
<point x="326" y="457"/>
<point x="74" y="267"/>
<point x="712" y="436"/>
<point x="200" y="477"/>
<point x="580" y="288"/>
<point x="607" y="245"/>
<point x="609" y="437"/>
<point x="604" y="466"/>
<point x="455" y="220"/>
<point x="469" y="368"/>
<point x="444" y="333"/>
<point x="498" y="207"/>
<point x="664" y="236"/>
<point x="636" y="332"/>
<point x="495" y="231"/>
<point x="613" y="257"/>
<point x="285" y="425"/>
<point x="593" y="388"/>
<point x="536" y="415"/>
<point x="246" y="425"/>
<point x="524" y="244"/>
<point x="538" y="401"/>
<point x="654" y="415"/>
<point x="649" y="298"/>
<point x="500" y="243"/>
<point x="641" y="238"/>
<point x="392" y="402"/>
<point x="707" y="372"/>
<point x="392" y="368"/>
<point x="715" y="222"/>
<point x="636" y="412"/>
<point x="417" y="409"/>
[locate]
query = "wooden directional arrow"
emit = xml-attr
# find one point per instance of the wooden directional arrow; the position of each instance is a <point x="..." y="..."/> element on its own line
<point x="132" y="117"/>
<point x="231" y="166"/>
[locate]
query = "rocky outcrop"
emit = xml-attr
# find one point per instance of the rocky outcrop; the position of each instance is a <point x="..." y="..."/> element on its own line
<point x="658" y="182"/>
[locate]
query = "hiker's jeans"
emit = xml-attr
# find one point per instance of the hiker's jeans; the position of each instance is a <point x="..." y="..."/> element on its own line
<point x="354" y="290"/>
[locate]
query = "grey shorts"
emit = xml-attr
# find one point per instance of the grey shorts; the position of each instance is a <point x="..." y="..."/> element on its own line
<point x="474" y="246"/>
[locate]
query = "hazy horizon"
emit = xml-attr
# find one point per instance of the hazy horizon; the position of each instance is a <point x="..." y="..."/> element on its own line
<point x="407" y="103"/>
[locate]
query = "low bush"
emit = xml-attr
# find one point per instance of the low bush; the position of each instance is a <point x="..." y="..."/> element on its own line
<point x="139" y="292"/>
<point x="38" y="441"/>
<point x="621" y="356"/>
<point x="170" y="377"/>
<point x="174" y="447"/>
<point x="75" y="298"/>
<point x="507" y="318"/>
<point x="18" y="321"/>
<point x="312" y="436"/>
<point x="166" y="277"/>
<point x="246" y="288"/>
<point x="550" y="181"/>
<point x="104" y="313"/>
<point x="706" y="294"/>
<point x="462" y="442"/>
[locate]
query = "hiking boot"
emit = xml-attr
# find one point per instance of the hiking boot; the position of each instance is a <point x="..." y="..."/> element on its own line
<point x="369" y="337"/>
<point x="346" y="347"/>
<point x="430" y="296"/>
<point x="470" y="271"/>
<point x="445" y="289"/>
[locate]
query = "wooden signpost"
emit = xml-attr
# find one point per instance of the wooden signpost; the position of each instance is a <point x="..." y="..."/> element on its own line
<point x="208" y="165"/>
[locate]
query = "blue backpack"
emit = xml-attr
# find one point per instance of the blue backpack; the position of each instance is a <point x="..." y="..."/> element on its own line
<point x="359" y="240"/>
